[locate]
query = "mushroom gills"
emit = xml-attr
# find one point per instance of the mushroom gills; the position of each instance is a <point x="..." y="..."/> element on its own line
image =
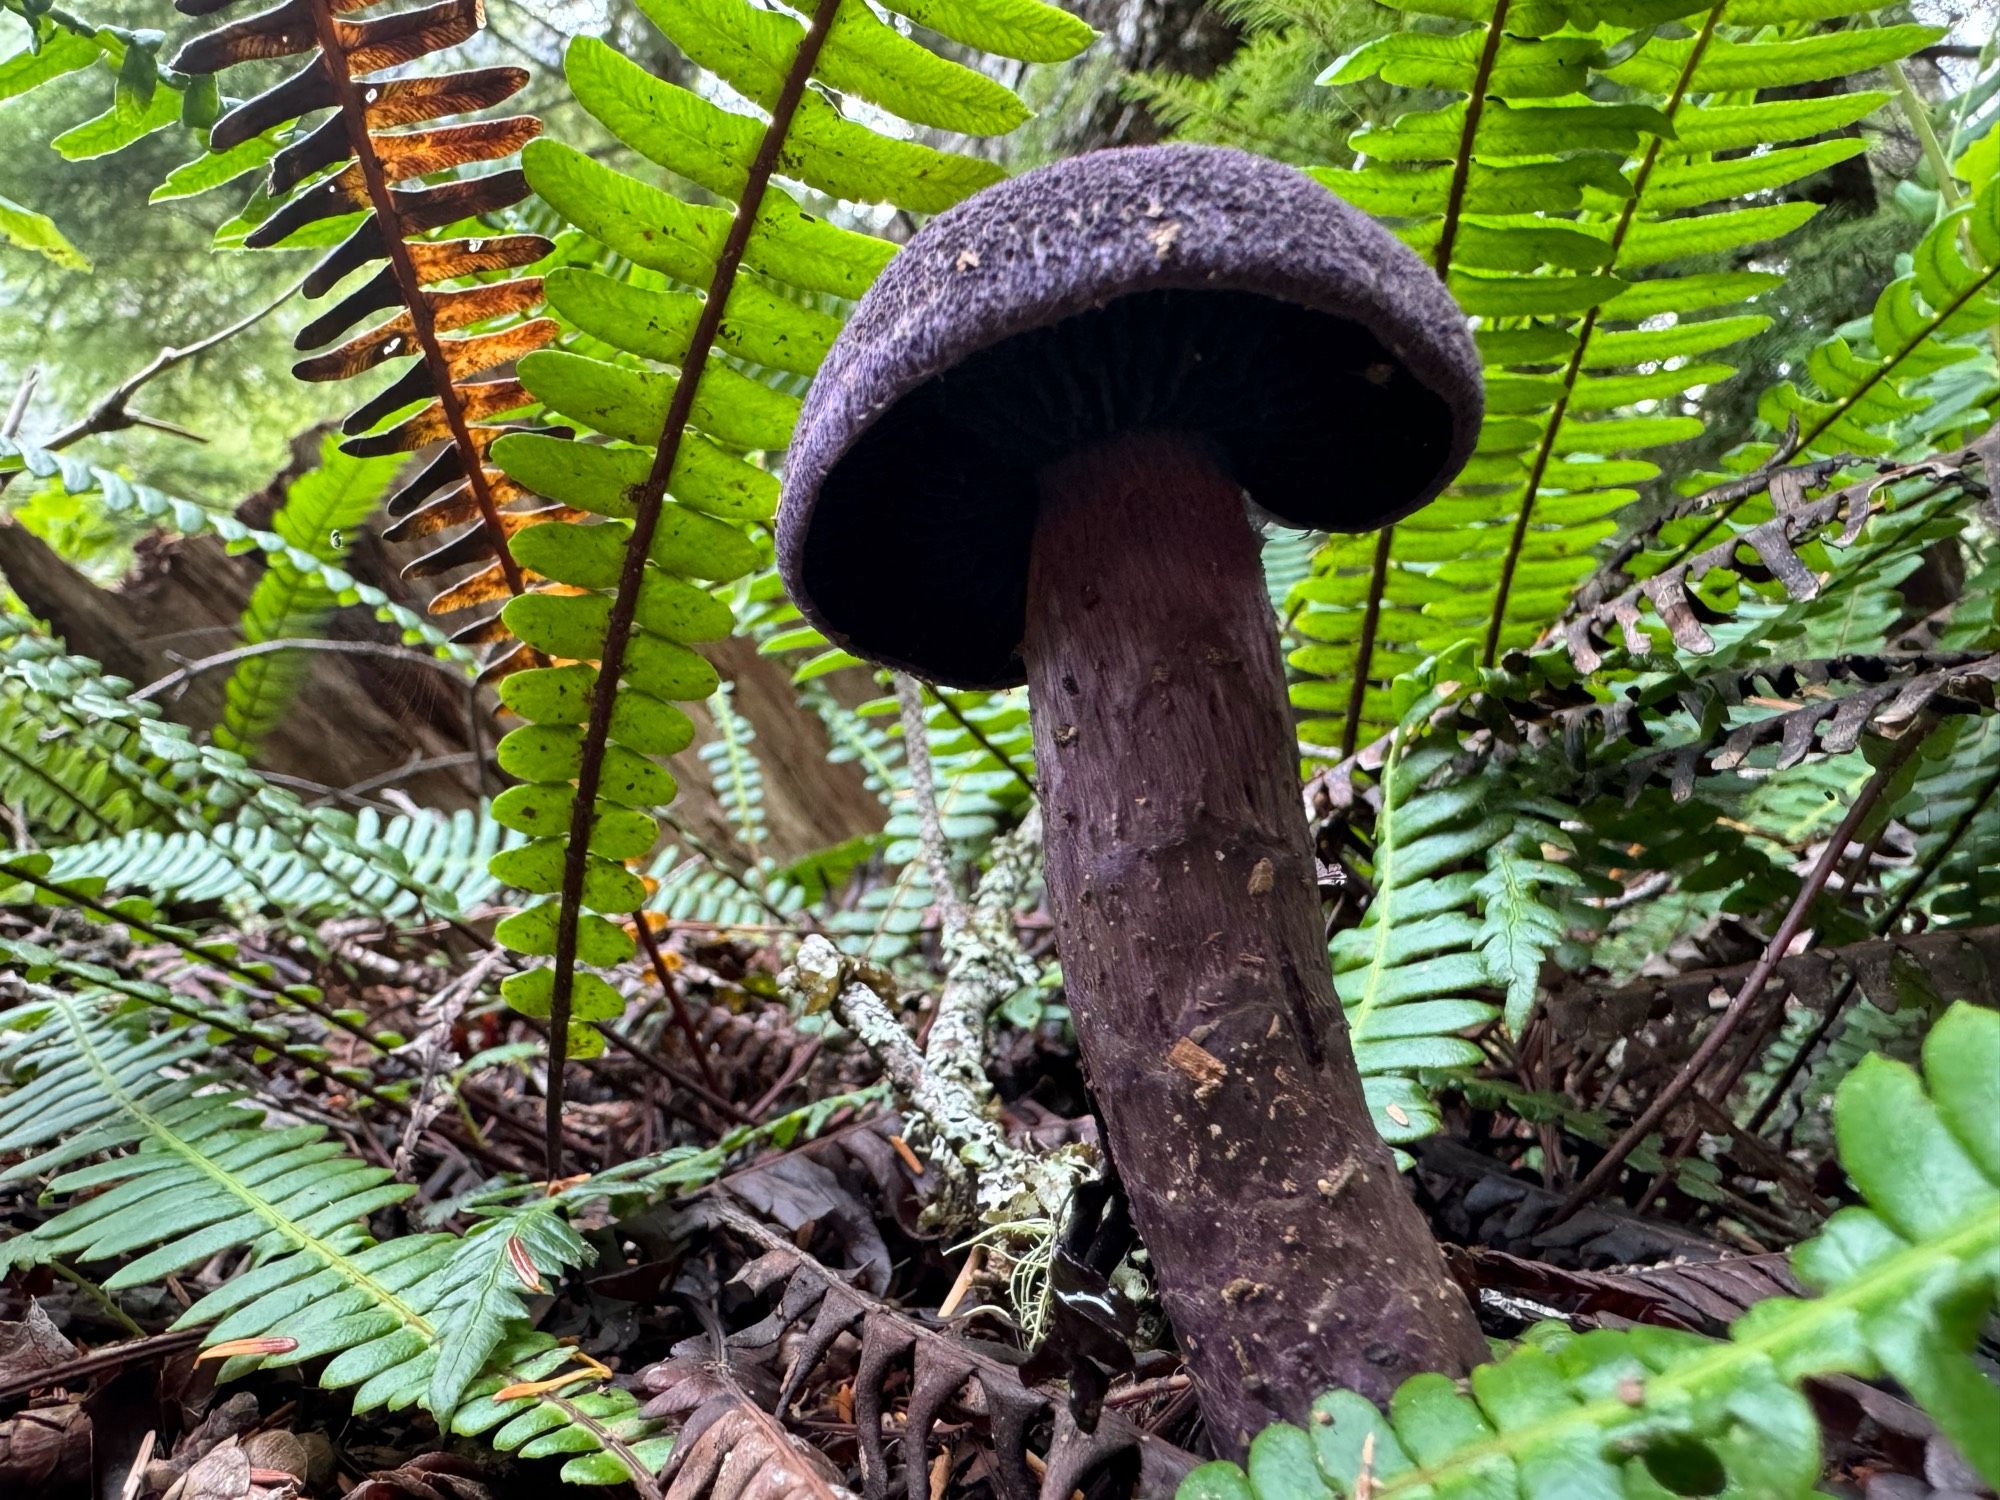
<point x="939" y="494"/>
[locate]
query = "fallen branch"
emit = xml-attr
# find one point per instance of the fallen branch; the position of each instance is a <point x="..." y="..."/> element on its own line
<point x="943" y="1086"/>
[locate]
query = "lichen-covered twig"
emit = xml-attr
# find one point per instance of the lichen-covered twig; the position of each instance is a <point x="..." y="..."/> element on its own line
<point x="984" y="963"/>
<point x="923" y="789"/>
<point x="943" y="1087"/>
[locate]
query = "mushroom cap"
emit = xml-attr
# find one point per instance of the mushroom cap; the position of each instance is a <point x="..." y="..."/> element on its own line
<point x="1193" y="288"/>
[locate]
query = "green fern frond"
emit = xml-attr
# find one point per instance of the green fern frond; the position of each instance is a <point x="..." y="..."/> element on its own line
<point x="739" y="295"/>
<point x="885" y="921"/>
<point x="154" y="775"/>
<point x="1922" y="323"/>
<point x="980" y="760"/>
<point x="1408" y="975"/>
<point x="734" y="771"/>
<point x="1459" y="870"/>
<point x="1263" y="97"/>
<point x="692" y="887"/>
<point x="320" y="513"/>
<point x="145" y="504"/>
<point x="63" y="787"/>
<point x="1576" y="226"/>
<point x="1903" y="1284"/>
<point x="865" y="742"/>
<point x="1953" y="813"/>
<point x="982" y="763"/>
<point x="242" y="863"/>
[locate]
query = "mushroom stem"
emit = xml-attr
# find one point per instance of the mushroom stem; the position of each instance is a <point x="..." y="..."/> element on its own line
<point x="1286" y="1250"/>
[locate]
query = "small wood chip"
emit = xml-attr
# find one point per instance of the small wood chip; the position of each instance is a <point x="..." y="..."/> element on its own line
<point x="903" y="1150"/>
<point x="1331" y="1187"/>
<point x="1197" y="1062"/>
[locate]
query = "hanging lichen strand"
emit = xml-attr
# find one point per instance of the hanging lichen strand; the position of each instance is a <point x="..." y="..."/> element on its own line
<point x="346" y="169"/>
<point x="680" y="479"/>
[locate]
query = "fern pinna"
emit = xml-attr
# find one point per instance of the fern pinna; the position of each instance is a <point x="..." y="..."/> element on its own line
<point x="345" y="172"/>
<point x="1904" y="1284"/>
<point x="735" y="300"/>
<point x="1590" y="146"/>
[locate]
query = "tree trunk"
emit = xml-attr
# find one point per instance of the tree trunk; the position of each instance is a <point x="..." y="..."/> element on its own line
<point x="1286" y="1250"/>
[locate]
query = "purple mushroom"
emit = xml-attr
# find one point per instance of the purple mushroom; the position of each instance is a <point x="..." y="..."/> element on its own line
<point x="1028" y="457"/>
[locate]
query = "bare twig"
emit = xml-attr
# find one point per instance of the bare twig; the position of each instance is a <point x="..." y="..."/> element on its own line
<point x="729" y="870"/>
<point x="733" y="1112"/>
<point x="73" y="1372"/>
<point x="433" y="1052"/>
<point x="1712" y="1100"/>
<point x="17" y="412"/>
<point x="801" y="1060"/>
<point x="1891" y="914"/>
<point x="415" y="766"/>
<point x="113" y="413"/>
<point x="682" y="1022"/>
<point x="195" y="668"/>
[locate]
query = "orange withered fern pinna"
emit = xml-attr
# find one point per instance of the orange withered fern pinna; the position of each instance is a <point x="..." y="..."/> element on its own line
<point x="369" y="159"/>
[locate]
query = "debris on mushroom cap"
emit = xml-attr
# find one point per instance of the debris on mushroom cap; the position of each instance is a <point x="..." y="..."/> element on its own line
<point x="1195" y="288"/>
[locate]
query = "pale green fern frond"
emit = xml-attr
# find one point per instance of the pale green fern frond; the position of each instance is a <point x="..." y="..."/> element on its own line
<point x="155" y="775"/>
<point x="734" y="771"/>
<point x="1574" y="195"/>
<point x="143" y="503"/>
<point x="243" y="863"/>
<point x="734" y="300"/>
